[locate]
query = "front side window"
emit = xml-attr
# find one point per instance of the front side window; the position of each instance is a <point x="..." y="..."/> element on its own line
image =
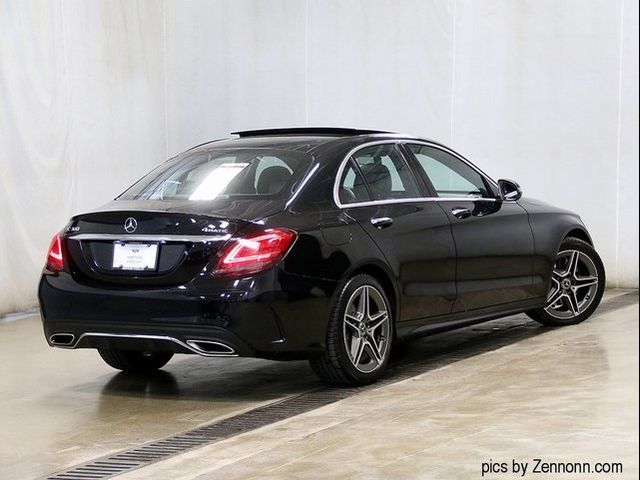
<point x="386" y="172"/>
<point x="222" y="173"/>
<point x="450" y="176"/>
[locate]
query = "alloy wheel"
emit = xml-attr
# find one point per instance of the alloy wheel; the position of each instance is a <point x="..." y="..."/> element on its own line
<point x="366" y="329"/>
<point x="574" y="283"/>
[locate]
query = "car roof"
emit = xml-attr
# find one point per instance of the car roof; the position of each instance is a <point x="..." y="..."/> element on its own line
<point x="333" y="131"/>
<point x="303" y="139"/>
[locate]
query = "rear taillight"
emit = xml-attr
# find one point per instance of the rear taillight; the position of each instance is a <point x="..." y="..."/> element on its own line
<point x="254" y="252"/>
<point x="55" y="257"/>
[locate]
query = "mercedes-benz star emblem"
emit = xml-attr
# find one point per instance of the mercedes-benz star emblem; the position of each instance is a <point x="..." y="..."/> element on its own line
<point x="130" y="225"/>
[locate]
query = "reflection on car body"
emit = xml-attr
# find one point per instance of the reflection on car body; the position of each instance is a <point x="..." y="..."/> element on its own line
<point x="324" y="244"/>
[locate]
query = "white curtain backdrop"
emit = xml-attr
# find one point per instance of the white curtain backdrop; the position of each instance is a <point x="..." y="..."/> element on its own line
<point x="94" y="93"/>
<point x="82" y="114"/>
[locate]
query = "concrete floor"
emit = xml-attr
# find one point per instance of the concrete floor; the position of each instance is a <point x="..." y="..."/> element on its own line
<point x="504" y="390"/>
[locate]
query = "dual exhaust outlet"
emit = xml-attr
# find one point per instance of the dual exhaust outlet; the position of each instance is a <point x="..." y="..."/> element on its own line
<point x="201" y="347"/>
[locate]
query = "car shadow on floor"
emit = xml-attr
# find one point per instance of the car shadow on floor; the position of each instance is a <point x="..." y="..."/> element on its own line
<point x="218" y="379"/>
<point x="206" y="379"/>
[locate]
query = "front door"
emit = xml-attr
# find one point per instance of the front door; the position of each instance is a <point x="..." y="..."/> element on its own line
<point x="493" y="239"/>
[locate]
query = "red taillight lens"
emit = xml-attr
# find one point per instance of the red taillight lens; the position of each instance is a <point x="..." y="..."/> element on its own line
<point x="254" y="252"/>
<point x="55" y="258"/>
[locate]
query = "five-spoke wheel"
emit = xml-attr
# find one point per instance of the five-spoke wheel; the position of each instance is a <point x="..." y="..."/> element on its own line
<point x="577" y="284"/>
<point x="366" y="328"/>
<point x="574" y="282"/>
<point x="359" y="334"/>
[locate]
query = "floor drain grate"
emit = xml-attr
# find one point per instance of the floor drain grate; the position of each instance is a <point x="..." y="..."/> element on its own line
<point x="155" y="451"/>
<point x="158" y="450"/>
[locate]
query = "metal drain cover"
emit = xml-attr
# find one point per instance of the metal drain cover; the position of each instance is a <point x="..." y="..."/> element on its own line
<point x="580" y="343"/>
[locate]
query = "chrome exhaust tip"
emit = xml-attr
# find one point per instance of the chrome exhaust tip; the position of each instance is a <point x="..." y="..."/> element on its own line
<point x="62" y="339"/>
<point x="209" y="347"/>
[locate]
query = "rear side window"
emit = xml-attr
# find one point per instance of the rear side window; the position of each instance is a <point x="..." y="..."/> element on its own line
<point x="386" y="172"/>
<point x="352" y="187"/>
<point x="222" y="173"/>
<point x="450" y="176"/>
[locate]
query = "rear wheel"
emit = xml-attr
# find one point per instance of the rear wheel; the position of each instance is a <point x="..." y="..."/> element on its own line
<point x="135" y="361"/>
<point x="359" y="334"/>
<point x="577" y="285"/>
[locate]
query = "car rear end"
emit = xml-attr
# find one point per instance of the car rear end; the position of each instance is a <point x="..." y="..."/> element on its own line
<point x="182" y="262"/>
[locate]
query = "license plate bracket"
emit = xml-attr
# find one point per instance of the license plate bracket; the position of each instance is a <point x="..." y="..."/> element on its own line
<point x="135" y="256"/>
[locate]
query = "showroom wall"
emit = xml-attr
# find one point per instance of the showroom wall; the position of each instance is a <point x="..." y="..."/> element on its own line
<point x="82" y="114"/>
<point x="94" y="93"/>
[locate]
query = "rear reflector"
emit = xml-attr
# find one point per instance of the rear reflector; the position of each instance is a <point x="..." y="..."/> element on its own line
<point x="254" y="252"/>
<point x="55" y="258"/>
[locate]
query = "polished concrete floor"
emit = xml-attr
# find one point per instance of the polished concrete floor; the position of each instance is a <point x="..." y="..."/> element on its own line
<point x="500" y="391"/>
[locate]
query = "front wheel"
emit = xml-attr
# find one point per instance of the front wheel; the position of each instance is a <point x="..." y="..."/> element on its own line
<point x="359" y="334"/>
<point x="135" y="361"/>
<point x="577" y="285"/>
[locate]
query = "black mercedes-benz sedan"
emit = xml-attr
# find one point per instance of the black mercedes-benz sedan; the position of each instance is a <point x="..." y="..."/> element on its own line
<point x="324" y="244"/>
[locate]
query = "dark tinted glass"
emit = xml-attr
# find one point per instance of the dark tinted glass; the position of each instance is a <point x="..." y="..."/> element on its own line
<point x="352" y="187"/>
<point x="223" y="173"/>
<point x="450" y="176"/>
<point x="386" y="172"/>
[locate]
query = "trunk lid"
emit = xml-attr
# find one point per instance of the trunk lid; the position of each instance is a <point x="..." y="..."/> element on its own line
<point x="180" y="240"/>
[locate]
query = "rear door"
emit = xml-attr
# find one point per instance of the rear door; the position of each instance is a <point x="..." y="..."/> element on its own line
<point x="493" y="239"/>
<point x="378" y="189"/>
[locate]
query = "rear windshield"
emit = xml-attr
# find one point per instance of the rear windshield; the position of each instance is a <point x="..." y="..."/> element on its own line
<point x="223" y="173"/>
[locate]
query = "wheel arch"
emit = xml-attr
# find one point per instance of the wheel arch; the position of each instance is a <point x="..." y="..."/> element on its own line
<point x="551" y="227"/>
<point x="580" y="234"/>
<point x="572" y="231"/>
<point x="386" y="281"/>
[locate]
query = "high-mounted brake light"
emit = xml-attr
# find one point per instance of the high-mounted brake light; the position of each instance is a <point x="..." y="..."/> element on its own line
<point x="55" y="257"/>
<point x="254" y="253"/>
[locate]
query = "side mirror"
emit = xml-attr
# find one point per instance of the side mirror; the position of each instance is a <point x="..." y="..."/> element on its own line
<point x="509" y="190"/>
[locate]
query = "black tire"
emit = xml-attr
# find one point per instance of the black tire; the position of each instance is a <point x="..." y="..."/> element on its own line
<point x="543" y="316"/>
<point x="335" y="366"/>
<point x="135" y="361"/>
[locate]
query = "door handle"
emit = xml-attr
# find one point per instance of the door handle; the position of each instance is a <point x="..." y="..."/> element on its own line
<point x="381" y="222"/>
<point x="460" y="212"/>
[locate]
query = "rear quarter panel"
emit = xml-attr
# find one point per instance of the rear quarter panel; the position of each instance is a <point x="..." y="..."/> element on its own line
<point x="328" y="249"/>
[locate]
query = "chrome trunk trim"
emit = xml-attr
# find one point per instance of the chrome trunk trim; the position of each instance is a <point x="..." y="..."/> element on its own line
<point x="149" y="238"/>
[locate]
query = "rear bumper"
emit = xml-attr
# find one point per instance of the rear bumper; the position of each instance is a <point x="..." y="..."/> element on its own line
<point x="147" y="342"/>
<point x="271" y="315"/>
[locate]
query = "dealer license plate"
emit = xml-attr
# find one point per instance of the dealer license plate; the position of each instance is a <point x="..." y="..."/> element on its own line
<point x="135" y="256"/>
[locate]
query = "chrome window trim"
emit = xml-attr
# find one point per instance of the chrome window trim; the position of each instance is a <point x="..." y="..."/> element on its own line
<point x="125" y="237"/>
<point x="404" y="140"/>
<point x="416" y="200"/>
<point x="343" y="165"/>
<point x="163" y="338"/>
